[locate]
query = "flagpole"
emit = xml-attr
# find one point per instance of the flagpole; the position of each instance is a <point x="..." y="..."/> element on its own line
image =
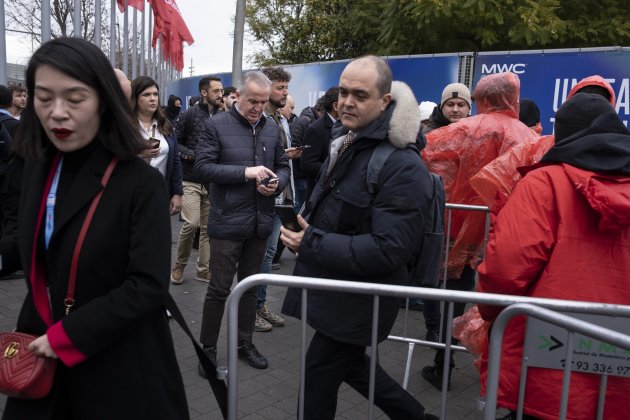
<point x="112" y="33"/>
<point x="45" y="21"/>
<point x="3" y="48"/>
<point x="237" y="53"/>
<point x="149" y="45"/>
<point x="134" y="47"/>
<point x="142" y="69"/>
<point x="97" y="22"/>
<point x="125" y="48"/>
<point x="76" y="18"/>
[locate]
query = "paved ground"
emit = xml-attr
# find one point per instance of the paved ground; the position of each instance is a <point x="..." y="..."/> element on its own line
<point x="272" y="393"/>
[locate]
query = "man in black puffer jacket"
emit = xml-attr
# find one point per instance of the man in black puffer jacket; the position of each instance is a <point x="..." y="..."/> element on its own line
<point x="238" y="152"/>
<point x="354" y="235"/>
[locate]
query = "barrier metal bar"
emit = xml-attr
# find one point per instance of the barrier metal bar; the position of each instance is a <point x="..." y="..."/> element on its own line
<point x="573" y="325"/>
<point x="402" y="291"/>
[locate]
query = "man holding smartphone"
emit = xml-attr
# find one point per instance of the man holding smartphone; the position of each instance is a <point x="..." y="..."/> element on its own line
<point x="241" y="159"/>
<point x="357" y="235"/>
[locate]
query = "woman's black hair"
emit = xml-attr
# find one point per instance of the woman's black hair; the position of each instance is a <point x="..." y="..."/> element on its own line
<point x="139" y="85"/>
<point x="83" y="61"/>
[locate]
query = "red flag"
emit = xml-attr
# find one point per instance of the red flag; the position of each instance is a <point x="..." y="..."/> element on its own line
<point x="169" y="23"/>
<point x="138" y="4"/>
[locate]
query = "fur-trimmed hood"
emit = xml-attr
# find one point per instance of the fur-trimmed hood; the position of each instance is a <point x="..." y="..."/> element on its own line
<point x="399" y="123"/>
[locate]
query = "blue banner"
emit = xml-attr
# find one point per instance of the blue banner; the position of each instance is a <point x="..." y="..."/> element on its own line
<point x="547" y="78"/>
<point x="426" y="75"/>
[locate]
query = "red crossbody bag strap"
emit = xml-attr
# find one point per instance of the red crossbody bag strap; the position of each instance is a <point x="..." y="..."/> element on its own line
<point x="72" y="281"/>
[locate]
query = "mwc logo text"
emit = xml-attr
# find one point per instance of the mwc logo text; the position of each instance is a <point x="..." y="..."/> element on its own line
<point x="502" y="68"/>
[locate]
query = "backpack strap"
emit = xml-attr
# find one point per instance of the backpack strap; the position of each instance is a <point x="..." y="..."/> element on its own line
<point x="377" y="161"/>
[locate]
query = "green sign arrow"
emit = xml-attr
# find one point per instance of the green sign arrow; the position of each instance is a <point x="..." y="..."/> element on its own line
<point x="551" y="343"/>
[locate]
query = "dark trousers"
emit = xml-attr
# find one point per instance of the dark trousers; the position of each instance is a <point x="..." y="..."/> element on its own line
<point x="330" y="362"/>
<point x="432" y="314"/>
<point x="225" y="257"/>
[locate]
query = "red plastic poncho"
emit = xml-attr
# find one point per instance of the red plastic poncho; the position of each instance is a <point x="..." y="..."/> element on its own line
<point x="460" y="150"/>
<point x="495" y="182"/>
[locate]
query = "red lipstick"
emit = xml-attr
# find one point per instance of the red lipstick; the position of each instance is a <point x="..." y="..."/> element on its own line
<point x="61" y="133"/>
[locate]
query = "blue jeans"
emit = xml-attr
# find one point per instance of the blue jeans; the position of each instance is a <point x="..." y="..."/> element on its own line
<point x="272" y="244"/>
<point x="301" y="187"/>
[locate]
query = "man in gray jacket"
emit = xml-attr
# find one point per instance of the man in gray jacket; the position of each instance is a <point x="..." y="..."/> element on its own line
<point x="241" y="159"/>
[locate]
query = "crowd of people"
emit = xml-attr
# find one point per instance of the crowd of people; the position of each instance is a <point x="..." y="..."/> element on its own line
<point x="560" y="222"/>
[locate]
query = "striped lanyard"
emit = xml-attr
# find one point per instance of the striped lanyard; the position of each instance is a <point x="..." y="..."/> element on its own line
<point x="50" y="205"/>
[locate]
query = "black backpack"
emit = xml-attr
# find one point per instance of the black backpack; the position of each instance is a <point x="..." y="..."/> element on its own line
<point x="425" y="266"/>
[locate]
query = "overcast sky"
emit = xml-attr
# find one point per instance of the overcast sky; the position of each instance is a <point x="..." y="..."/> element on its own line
<point x="211" y="23"/>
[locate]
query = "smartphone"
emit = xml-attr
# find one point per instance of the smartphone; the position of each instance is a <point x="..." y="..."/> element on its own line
<point x="304" y="147"/>
<point x="270" y="180"/>
<point x="154" y="143"/>
<point x="288" y="217"/>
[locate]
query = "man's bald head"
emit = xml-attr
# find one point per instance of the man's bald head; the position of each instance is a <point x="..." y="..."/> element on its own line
<point x="125" y="84"/>
<point x="384" y="78"/>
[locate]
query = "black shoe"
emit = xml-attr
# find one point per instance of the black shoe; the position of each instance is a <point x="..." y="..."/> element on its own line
<point x="433" y="335"/>
<point x="428" y="416"/>
<point x="433" y="375"/>
<point x="211" y="351"/>
<point x="247" y="351"/>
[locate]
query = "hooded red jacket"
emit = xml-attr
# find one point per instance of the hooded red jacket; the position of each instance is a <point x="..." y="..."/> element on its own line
<point x="564" y="233"/>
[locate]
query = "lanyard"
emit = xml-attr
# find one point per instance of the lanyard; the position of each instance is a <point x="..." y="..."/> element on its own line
<point x="50" y="205"/>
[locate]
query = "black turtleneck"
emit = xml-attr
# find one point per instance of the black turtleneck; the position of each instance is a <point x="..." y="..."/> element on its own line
<point x="72" y="163"/>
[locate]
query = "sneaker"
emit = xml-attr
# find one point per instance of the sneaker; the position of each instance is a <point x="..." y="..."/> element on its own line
<point x="260" y="325"/>
<point x="177" y="275"/>
<point x="211" y="351"/>
<point x="433" y="375"/>
<point x="275" y="266"/>
<point x="203" y="276"/>
<point x="274" y="319"/>
<point x="248" y="352"/>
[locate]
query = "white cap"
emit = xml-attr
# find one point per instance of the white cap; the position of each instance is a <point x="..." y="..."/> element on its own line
<point x="426" y="109"/>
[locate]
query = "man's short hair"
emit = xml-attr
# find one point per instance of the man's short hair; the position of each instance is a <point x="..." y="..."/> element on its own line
<point x="204" y="83"/>
<point x="254" y="76"/>
<point x="329" y="98"/>
<point x="228" y="91"/>
<point x="16" y="88"/>
<point x="6" y="97"/>
<point x="277" y="74"/>
<point x="384" y="81"/>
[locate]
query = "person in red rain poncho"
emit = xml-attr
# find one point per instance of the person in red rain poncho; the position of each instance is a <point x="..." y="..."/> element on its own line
<point x="456" y="153"/>
<point x="495" y="181"/>
<point x="564" y="233"/>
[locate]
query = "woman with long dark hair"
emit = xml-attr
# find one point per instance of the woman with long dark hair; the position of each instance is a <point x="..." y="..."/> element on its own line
<point x="113" y="344"/>
<point x="158" y="132"/>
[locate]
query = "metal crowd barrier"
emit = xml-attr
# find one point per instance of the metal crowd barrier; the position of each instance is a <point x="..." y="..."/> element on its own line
<point x="571" y="324"/>
<point x="377" y="290"/>
<point x="411" y="342"/>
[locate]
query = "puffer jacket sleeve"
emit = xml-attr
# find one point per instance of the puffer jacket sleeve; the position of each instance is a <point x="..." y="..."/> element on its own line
<point x="180" y="131"/>
<point x="403" y="197"/>
<point x="520" y="243"/>
<point x="176" y="187"/>
<point x="208" y="168"/>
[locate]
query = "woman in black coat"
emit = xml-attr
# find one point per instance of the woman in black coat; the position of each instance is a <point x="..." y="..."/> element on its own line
<point x="155" y="128"/>
<point x="114" y="347"/>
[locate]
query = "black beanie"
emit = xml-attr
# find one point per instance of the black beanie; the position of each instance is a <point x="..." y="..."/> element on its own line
<point x="577" y="113"/>
<point x="529" y="113"/>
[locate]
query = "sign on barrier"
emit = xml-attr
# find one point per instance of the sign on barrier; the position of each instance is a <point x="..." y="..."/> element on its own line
<point x="545" y="346"/>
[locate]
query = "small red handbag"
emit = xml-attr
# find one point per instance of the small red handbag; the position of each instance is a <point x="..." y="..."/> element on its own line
<point x="23" y="374"/>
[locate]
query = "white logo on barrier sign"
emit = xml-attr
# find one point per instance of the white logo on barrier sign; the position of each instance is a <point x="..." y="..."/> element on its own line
<point x="545" y="346"/>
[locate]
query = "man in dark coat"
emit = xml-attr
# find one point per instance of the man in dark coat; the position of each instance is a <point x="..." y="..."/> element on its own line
<point x="317" y="138"/>
<point x="188" y="129"/>
<point x="357" y="236"/>
<point x="241" y="159"/>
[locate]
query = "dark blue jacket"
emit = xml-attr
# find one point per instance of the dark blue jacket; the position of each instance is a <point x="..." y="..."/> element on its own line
<point x="227" y="145"/>
<point x="354" y="235"/>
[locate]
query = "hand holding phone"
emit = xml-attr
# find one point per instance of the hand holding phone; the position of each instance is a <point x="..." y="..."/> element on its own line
<point x="288" y="217"/>
<point x="269" y="180"/>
